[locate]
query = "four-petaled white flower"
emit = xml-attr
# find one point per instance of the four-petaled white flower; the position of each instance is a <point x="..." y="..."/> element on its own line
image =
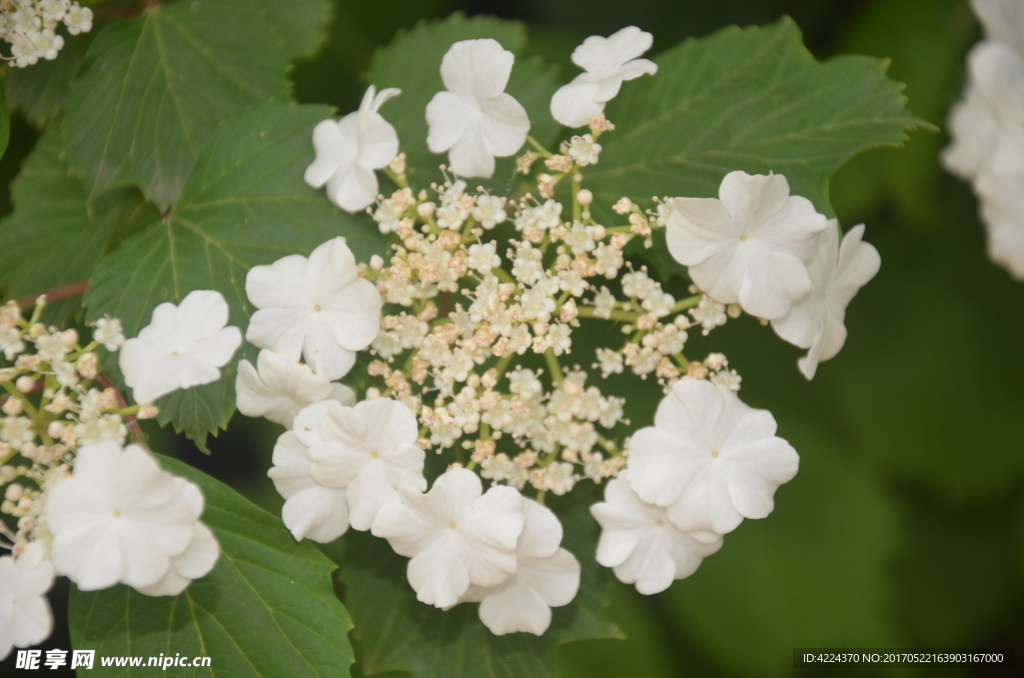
<point x="119" y="518"/>
<point x="370" y="450"/>
<point x="546" y="576"/>
<point x="838" y="271"/>
<point x="710" y="459"/>
<point x="183" y="346"/>
<point x="475" y="120"/>
<point x="277" y="388"/>
<point x="455" y="534"/>
<point x="640" y="543"/>
<point x="607" y="63"/>
<point x="311" y="511"/>
<point x="199" y="556"/>
<point x="349" y="150"/>
<point x="748" y="245"/>
<point x="25" y="617"/>
<point x="317" y="308"/>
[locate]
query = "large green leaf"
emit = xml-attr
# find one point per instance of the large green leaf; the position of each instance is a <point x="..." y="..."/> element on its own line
<point x="398" y="633"/>
<point x="813" y="574"/>
<point x="41" y="91"/>
<point x="154" y="89"/>
<point x="302" y="23"/>
<point x="267" y="609"/>
<point x="412" y="63"/>
<point x="750" y="99"/>
<point x="245" y="204"/>
<point x="53" y="238"/>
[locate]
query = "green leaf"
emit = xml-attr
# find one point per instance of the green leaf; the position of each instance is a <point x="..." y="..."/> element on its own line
<point x="53" y="239"/>
<point x="267" y="609"/>
<point x="245" y="204"/>
<point x="41" y="91"/>
<point x="154" y="89"/>
<point x="751" y="99"/>
<point x="396" y="632"/>
<point x="412" y="62"/>
<point x="812" y="574"/>
<point x="302" y="23"/>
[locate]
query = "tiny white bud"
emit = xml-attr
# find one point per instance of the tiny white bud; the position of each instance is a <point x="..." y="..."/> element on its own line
<point x="425" y="210"/>
<point x="13" y="492"/>
<point x="585" y="197"/>
<point x="25" y="383"/>
<point x="372" y="393"/>
<point x="376" y="262"/>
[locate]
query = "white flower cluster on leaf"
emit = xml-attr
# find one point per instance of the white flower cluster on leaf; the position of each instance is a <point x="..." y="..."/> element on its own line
<point x="316" y="308"/>
<point x="30" y="27"/>
<point x="349" y="150"/>
<point x="607" y="63"/>
<point x="183" y="346"/>
<point x="987" y="130"/>
<point x="121" y="518"/>
<point x="474" y="119"/>
<point x="25" y="616"/>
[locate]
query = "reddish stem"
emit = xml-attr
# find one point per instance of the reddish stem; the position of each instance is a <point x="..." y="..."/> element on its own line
<point x="63" y="292"/>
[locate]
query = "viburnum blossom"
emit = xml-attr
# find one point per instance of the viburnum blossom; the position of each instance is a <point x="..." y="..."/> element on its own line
<point x="1003" y="21"/>
<point x="546" y="576"/>
<point x="30" y="27"/>
<point x="349" y="150"/>
<point x="838" y="271"/>
<point x="1002" y="208"/>
<point x="25" y="616"/>
<point x="710" y="459"/>
<point x="455" y="534"/>
<point x="311" y="510"/>
<point x="640" y="543"/>
<point x="607" y="63"/>
<point x="749" y="244"/>
<point x="474" y="119"/>
<point x="119" y="518"/>
<point x="370" y="450"/>
<point x="277" y="388"/>
<point x="199" y="556"/>
<point x="183" y="346"/>
<point x="316" y="308"/>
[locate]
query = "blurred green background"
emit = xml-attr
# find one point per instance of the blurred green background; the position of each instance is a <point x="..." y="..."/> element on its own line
<point x="905" y="526"/>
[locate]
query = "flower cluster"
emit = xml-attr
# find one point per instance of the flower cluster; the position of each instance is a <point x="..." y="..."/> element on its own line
<point x="472" y="322"/>
<point x="30" y="27"/>
<point x="987" y="130"/>
<point x="84" y="507"/>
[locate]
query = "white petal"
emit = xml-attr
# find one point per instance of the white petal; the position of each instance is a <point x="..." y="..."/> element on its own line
<point x="603" y="56"/>
<point x="476" y="69"/>
<point x="438" y="574"/>
<point x="448" y="118"/>
<point x="333" y="150"/>
<point x="504" y="125"/>
<point x="317" y="513"/>
<point x="200" y="315"/>
<point x="575" y="104"/>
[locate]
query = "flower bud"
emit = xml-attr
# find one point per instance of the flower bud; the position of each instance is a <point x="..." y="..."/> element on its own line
<point x="585" y="197"/>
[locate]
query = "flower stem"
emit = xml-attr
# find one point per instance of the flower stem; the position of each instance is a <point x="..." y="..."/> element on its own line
<point x="63" y="292"/>
<point x="543" y="152"/>
<point x="553" y="366"/>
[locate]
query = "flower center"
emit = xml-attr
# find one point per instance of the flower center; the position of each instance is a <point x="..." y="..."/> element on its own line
<point x="660" y="523"/>
<point x="317" y="308"/>
<point x="117" y="513"/>
<point x="374" y="455"/>
<point x="174" y="353"/>
<point x="714" y="454"/>
<point x="452" y="525"/>
<point x="743" y="238"/>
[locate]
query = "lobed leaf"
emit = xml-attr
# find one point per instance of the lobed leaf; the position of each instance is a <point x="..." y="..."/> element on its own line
<point x="302" y="23"/>
<point x="154" y="88"/>
<point x="751" y="99"/>
<point x="245" y="204"/>
<point x="266" y="609"/>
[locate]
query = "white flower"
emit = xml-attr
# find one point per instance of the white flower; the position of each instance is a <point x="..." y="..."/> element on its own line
<point x="1002" y="208"/>
<point x="199" y="556"/>
<point x="640" y="543"/>
<point x="483" y="257"/>
<point x="109" y="333"/>
<point x="987" y="127"/>
<point x="710" y="459"/>
<point x="608" y="62"/>
<point x="370" y="450"/>
<point x="1003" y="20"/>
<point x="311" y="510"/>
<point x="490" y="210"/>
<point x="277" y="388"/>
<point x="317" y="308"/>
<point x="10" y="342"/>
<point x="349" y="150"/>
<point x="584" y="150"/>
<point x="182" y="347"/>
<point x="546" y="576"/>
<point x="455" y="536"/>
<point x="119" y="518"/>
<point x="25" y="617"/>
<point x="475" y="120"/>
<point x="750" y="244"/>
<point x="815" y="321"/>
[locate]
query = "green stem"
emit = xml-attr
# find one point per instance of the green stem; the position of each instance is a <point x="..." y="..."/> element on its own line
<point x="26" y="404"/>
<point x="543" y="152"/>
<point x="553" y="366"/>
